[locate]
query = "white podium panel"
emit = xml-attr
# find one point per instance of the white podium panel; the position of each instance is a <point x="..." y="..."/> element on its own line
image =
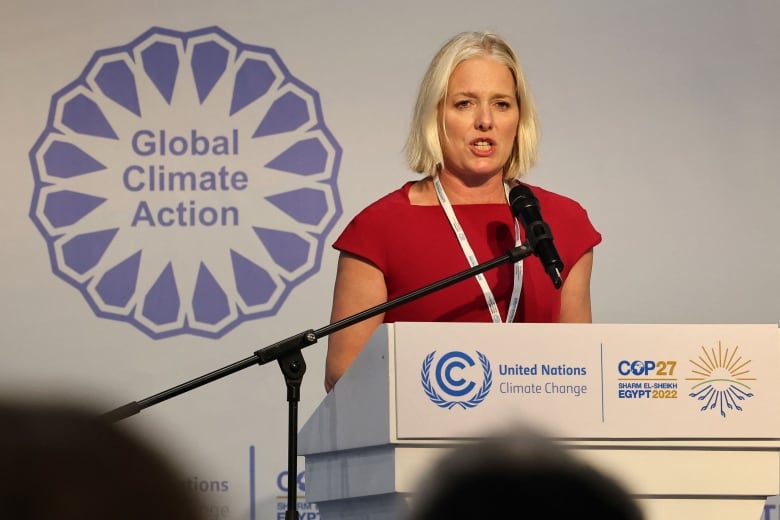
<point x="683" y="415"/>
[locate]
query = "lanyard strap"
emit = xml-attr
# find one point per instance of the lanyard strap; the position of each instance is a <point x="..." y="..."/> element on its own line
<point x="472" y="258"/>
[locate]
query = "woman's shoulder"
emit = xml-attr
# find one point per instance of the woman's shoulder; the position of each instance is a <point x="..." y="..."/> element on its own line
<point x="568" y="219"/>
<point x="381" y="219"/>
<point x="397" y="197"/>
<point x="553" y="199"/>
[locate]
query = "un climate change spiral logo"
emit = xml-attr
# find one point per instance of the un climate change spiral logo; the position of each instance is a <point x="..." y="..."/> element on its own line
<point x="450" y="373"/>
<point x="185" y="182"/>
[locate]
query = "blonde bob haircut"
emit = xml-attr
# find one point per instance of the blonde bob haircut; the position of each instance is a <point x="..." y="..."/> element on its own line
<point x="423" y="146"/>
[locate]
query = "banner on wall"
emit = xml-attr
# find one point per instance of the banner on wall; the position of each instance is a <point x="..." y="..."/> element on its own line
<point x="186" y="183"/>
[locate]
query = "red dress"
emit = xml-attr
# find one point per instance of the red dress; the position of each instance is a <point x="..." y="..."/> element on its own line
<point x="415" y="245"/>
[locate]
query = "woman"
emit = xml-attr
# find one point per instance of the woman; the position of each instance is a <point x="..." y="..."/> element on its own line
<point x="474" y="132"/>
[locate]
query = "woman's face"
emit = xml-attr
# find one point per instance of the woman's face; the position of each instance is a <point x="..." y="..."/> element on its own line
<point x="480" y="116"/>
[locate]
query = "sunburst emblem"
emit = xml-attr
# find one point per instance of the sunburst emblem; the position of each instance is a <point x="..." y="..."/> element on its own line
<point x="723" y="382"/>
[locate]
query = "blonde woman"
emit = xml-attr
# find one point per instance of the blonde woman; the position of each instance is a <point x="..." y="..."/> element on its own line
<point x="473" y="135"/>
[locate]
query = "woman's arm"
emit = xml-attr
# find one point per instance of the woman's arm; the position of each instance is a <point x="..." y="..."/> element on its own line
<point x="575" y="293"/>
<point x="359" y="285"/>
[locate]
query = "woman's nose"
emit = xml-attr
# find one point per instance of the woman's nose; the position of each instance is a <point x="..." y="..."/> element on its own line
<point x="484" y="119"/>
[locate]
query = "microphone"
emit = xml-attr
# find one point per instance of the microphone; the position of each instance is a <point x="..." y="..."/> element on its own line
<point x="525" y="206"/>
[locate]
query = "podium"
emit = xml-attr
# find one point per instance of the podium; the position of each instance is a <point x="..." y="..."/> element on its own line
<point x="684" y="416"/>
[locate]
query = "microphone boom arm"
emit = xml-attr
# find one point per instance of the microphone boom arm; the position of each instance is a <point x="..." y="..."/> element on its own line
<point x="309" y="337"/>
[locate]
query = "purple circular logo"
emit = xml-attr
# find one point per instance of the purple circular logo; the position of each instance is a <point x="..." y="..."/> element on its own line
<point x="185" y="182"/>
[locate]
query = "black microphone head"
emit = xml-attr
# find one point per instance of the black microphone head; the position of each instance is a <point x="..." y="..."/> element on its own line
<point x="521" y="192"/>
<point x="525" y="206"/>
<point x="521" y="200"/>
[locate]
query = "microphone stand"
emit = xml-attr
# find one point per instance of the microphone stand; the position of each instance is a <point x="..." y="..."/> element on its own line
<point x="287" y="353"/>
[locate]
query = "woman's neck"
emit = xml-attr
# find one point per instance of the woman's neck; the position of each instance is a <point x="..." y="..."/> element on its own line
<point x="473" y="190"/>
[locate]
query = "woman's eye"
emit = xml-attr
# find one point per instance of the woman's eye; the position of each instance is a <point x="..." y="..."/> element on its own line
<point x="462" y="104"/>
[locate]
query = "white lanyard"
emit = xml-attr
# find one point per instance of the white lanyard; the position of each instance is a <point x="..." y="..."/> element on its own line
<point x="472" y="259"/>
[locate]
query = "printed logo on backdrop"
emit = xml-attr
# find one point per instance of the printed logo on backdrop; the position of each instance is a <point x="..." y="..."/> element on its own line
<point x="719" y="378"/>
<point x="304" y="510"/>
<point x="185" y="182"/>
<point x="456" y="379"/>
<point x="261" y="507"/>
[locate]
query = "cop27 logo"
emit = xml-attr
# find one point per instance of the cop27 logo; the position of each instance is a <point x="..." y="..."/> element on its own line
<point x="185" y="183"/>
<point x="456" y="376"/>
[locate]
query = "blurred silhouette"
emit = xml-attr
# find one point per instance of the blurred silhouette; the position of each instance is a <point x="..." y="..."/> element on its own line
<point x="519" y="475"/>
<point x="63" y="462"/>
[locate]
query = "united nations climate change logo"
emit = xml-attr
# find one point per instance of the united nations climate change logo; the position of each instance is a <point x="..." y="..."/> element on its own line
<point x="721" y="381"/>
<point x="457" y="376"/>
<point x="185" y="182"/>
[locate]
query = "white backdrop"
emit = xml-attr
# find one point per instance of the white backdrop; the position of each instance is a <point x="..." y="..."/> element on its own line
<point x="661" y="117"/>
